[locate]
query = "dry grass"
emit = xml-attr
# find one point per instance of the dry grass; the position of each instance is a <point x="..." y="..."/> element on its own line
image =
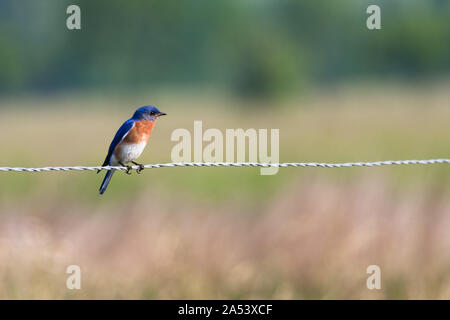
<point x="313" y="240"/>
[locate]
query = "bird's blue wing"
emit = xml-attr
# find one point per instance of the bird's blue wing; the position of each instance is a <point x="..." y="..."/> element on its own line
<point x="121" y="133"/>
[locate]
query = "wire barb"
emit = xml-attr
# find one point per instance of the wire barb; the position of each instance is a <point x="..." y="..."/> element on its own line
<point x="234" y="164"/>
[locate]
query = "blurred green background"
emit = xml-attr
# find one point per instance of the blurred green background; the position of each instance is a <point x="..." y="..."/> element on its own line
<point x="336" y="90"/>
<point x="250" y="48"/>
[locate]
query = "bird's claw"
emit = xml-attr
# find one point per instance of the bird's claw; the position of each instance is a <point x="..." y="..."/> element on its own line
<point x="141" y="167"/>
<point x="129" y="168"/>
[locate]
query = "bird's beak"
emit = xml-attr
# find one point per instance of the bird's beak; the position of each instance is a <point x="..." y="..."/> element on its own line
<point x="162" y="114"/>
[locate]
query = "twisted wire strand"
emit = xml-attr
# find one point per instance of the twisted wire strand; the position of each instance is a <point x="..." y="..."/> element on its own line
<point x="234" y="164"/>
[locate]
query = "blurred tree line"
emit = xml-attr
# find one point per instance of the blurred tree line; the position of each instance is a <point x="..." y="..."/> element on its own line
<point x="260" y="48"/>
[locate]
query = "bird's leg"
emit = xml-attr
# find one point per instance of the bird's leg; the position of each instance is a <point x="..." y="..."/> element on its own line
<point x="141" y="167"/>
<point x="129" y="168"/>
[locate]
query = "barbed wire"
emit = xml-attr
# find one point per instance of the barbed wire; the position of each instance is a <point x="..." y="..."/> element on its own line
<point x="233" y="164"/>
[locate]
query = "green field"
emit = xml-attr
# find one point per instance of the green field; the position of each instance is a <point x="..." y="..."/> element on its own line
<point x="230" y="232"/>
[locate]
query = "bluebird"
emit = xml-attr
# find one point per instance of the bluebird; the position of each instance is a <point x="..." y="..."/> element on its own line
<point x="129" y="142"/>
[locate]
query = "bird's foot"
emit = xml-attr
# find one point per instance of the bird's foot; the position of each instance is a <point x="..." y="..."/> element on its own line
<point x="141" y="167"/>
<point x="129" y="168"/>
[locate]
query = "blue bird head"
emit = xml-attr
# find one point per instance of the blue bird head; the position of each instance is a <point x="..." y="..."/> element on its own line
<point x="147" y="113"/>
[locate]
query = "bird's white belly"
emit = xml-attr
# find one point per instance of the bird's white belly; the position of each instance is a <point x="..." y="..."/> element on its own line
<point x="128" y="152"/>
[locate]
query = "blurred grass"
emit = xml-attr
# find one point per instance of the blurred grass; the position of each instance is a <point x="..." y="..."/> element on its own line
<point x="340" y="126"/>
<point x="230" y="232"/>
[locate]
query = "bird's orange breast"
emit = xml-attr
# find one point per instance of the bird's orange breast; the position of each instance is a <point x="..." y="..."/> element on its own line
<point x="140" y="132"/>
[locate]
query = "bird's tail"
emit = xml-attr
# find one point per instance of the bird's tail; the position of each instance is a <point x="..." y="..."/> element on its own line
<point x="106" y="181"/>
